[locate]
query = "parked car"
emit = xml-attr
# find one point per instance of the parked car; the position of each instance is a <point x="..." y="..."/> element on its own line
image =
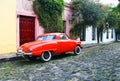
<point x="47" y="45"/>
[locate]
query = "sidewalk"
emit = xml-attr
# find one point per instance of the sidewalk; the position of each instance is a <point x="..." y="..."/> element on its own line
<point x="89" y="45"/>
<point x="2" y="56"/>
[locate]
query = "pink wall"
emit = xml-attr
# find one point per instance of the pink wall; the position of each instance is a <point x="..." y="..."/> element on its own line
<point x="24" y="8"/>
<point x="66" y="17"/>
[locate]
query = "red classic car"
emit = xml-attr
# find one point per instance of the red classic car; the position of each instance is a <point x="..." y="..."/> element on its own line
<point x="47" y="45"/>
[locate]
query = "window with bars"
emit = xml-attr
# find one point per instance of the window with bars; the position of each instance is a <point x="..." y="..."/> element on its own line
<point x="107" y="35"/>
<point x="112" y="33"/>
<point x="93" y="33"/>
<point x="83" y="34"/>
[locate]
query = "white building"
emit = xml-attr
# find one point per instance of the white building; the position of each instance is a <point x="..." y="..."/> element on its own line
<point x="89" y="36"/>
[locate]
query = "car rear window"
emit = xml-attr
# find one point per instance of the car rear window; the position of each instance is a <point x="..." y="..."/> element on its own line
<point x="47" y="37"/>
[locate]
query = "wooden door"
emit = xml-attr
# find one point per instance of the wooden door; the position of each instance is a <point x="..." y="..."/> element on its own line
<point x="27" y="29"/>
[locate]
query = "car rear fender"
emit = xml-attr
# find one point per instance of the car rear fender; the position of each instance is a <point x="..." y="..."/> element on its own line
<point x="39" y="53"/>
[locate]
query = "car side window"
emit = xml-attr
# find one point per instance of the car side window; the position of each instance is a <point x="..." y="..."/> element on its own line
<point x="47" y="37"/>
<point x="63" y="37"/>
<point x="54" y="37"/>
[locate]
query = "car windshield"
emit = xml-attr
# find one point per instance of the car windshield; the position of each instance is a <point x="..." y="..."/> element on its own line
<point x="47" y="37"/>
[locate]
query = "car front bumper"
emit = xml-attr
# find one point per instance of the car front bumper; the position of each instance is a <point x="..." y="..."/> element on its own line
<point x="23" y="54"/>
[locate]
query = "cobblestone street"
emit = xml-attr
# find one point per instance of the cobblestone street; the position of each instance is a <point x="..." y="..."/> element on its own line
<point x="98" y="63"/>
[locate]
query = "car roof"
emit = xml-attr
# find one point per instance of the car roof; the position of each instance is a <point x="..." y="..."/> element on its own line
<point x="52" y="34"/>
<point x="57" y="34"/>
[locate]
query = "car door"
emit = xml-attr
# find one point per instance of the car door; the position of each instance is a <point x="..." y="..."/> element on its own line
<point x="64" y="44"/>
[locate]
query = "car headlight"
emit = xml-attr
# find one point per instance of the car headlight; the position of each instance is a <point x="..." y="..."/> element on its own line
<point x="19" y="50"/>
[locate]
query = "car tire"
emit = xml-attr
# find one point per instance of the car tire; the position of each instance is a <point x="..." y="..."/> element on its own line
<point x="77" y="50"/>
<point x="46" y="56"/>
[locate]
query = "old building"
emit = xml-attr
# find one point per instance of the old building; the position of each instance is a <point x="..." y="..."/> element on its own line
<point x="19" y="24"/>
<point x="89" y="36"/>
<point x="7" y="26"/>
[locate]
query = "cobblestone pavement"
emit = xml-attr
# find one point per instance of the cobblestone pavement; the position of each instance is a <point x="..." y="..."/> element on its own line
<point x="99" y="63"/>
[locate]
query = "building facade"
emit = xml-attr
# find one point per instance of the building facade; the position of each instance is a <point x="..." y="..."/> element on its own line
<point x="7" y="26"/>
<point x="28" y="27"/>
<point x="19" y="24"/>
<point x="22" y="24"/>
<point x="89" y="36"/>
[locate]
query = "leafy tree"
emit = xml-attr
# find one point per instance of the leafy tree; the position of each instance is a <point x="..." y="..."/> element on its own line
<point x="85" y="13"/>
<point x="114" y="19"/>
<point x="102" y="24"/>
<point x="49" y="14"/>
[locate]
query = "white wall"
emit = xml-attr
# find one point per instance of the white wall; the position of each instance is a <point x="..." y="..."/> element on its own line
<point x="88" y="39"/>
<point x="105" y="40"/>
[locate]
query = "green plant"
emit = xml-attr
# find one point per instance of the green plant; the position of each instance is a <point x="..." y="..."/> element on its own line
<point x="49" y="14"/>
<point x="114" y="19"/>
<point x="88" y="13"/>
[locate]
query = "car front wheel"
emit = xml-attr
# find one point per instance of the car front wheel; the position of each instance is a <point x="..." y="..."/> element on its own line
<point x="77" y="50"/>
<point x="46" y="56"/>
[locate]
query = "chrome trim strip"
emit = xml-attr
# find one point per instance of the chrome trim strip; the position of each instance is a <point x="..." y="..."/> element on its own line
<point x="23" y="54"/>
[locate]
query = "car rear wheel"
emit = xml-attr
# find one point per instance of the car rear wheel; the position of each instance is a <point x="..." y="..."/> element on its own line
<point x="77" y="50"/>
<point x="46" y="56"/>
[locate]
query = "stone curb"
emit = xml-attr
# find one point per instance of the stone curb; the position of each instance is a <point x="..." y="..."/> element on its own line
<point x="10" y="57"/>
<point x="88" y="45"/>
